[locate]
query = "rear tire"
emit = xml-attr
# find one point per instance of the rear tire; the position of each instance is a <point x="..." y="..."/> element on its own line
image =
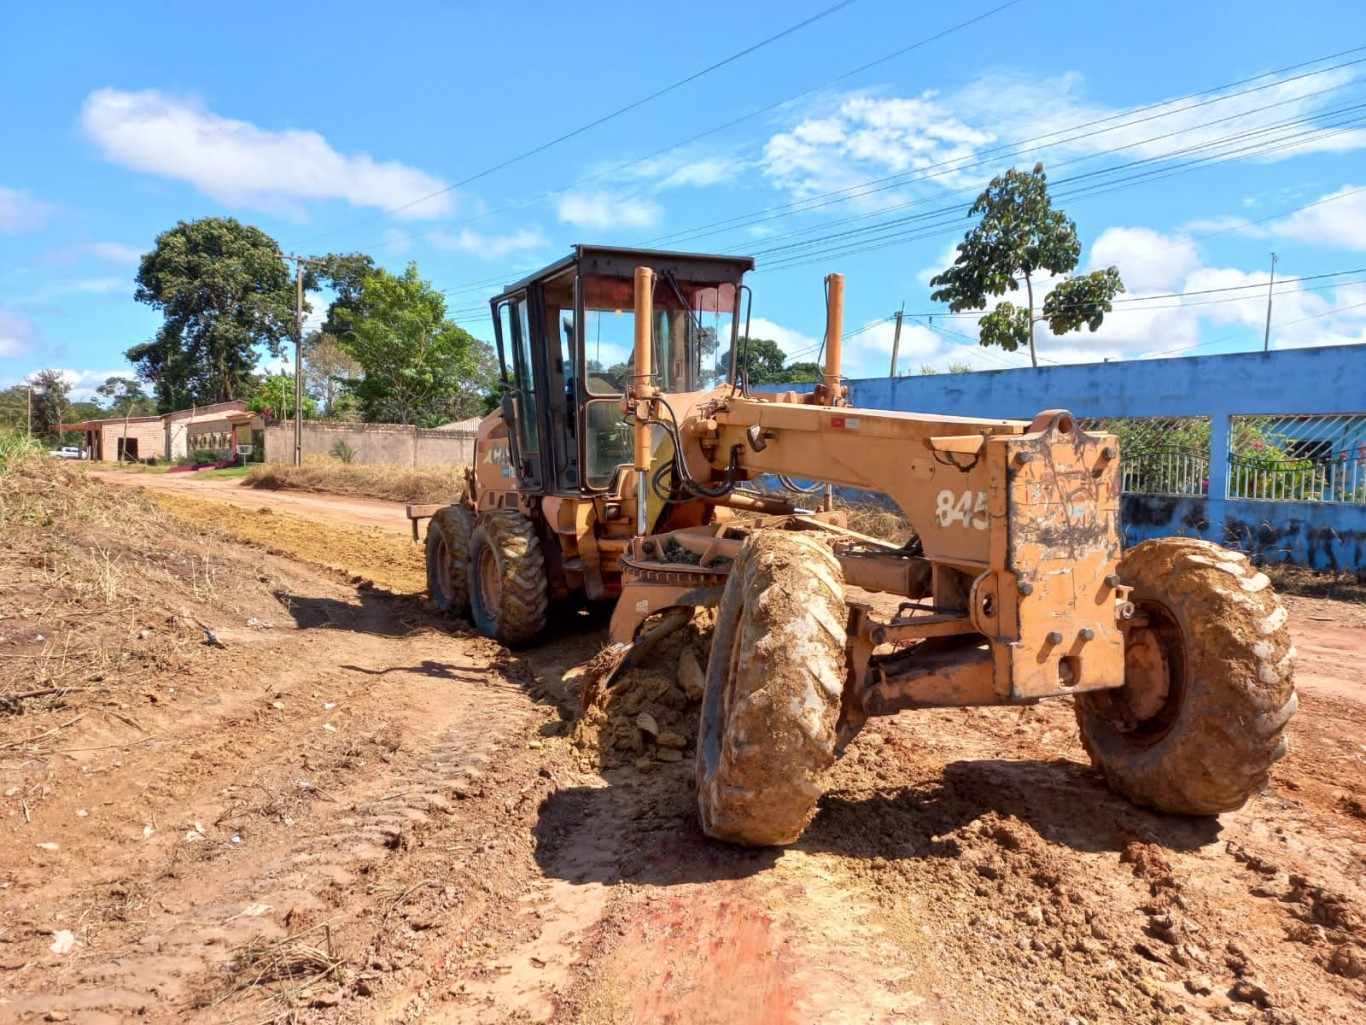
<point x="508" y="589"/>
<point x="448" y="559"/>
<point x="773" y="687"/>
<point x="1208" y="682"/>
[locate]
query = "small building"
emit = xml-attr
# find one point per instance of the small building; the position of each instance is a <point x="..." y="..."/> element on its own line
<point x="135" y="439"/>
<point x="206" y="428"/>
<point x="215" y="434"/>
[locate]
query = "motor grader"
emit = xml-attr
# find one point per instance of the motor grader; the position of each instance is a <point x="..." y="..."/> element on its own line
<point x="631" y="472"/>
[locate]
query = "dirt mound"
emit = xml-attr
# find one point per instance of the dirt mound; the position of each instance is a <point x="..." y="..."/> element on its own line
<point x="648" y="714"/>
<point x="100" y="590"/>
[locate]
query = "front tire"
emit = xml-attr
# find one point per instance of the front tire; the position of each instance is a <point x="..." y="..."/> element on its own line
<point x="1208" y="682"/>
<point x="773" y="687"/>
<point x="508" y="589"/>
<point x="448" y="559"/>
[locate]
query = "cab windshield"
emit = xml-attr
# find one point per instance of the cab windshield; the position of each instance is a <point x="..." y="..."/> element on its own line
<point x="689" y="319"/>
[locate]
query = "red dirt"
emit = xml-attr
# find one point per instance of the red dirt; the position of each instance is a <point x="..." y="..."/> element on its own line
<point x="406" y="800"/>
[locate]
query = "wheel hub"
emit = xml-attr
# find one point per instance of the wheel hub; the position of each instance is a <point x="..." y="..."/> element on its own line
<point x="1149" y="703"/>
<point x="1147" y="674"/>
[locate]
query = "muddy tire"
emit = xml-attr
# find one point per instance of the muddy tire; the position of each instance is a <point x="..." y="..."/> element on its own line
<point x="774" y="680"/>
<point x="448" y="559"/>
<point x="508" y="590"/>
<point x="1208" y="682"/>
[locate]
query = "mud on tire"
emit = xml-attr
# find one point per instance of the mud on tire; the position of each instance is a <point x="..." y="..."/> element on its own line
<point x="1208" y="743"/>
<point x="508" y="590"/>
<point x="774" y="680"/>
<point x="448" y="559"/>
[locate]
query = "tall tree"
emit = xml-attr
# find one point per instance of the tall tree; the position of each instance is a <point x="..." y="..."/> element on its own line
<point x="224" y="292"/>
<point x="14" y="408"/>
<point x="474" y="388"/>
<point x="345" y="275"/>
<point x="1019" y="236"/>
<point x="411" y="353"/>
<point x="125" y="397"/>
<point x="51" y="403"/>
<point x="327" y="368"/>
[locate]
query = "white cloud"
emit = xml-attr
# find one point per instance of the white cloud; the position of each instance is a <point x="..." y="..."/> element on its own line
<point x="602" y="210"/>
<point x="1051" y="115"/>
<point x="794" y="344"/>
<point x="239" y="163"/>
<point x="490" y="247"/>
<point x="19" y="212"/>
<point x="865" y="138"/>
<point x="114" y="252"/>
<point x="83" y="382"/>
<point x="945" y="138"/>
<point x="701" y="173"/>
<point x="1338" y="219"/>
<point x="1148" y="261"/>
<point x="16" y="331"/>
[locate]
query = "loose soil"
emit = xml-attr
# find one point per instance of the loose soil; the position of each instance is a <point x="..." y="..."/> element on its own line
<point x="347" y="809"/>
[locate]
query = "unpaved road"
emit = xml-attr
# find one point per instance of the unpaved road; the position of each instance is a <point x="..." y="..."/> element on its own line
<point x="355" y="789"/>
<point x="335" y="509"/>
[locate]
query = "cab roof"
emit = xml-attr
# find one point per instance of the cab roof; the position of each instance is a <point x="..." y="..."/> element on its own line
<point x="620" y="260"/>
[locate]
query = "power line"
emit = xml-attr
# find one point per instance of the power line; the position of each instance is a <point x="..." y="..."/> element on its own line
<point x="833" y="8"/>
<point x="606" y="172"/>
<point x="951" y="215"/>
<point x="980" y="158"/>
<point x="897" y="231"/>
<point x="1060" y="189"/>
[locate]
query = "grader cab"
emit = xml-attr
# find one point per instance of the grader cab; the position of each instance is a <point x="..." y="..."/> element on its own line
<point x="623" y="465"/>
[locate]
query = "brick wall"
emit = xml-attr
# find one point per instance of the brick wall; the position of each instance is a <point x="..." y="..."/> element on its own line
<point x="370" y="443"/>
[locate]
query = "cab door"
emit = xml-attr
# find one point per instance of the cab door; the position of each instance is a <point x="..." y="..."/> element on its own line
<point x="521" y="406"/>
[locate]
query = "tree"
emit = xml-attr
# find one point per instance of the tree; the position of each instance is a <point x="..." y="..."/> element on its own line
<point x="475" y="390"/>
<point x="224" y="291"/>
<point x="273" y="395"/>
<point x="1020" y="235"/>
<point x="51" y="403"/>
<point x="767" y="364"/>
<point x="328" y="368"/>
<point x="14" y="408"/>
<point x="125" y="397"/>
<point x="412" y="355"/>
<point x="345" y="274"/>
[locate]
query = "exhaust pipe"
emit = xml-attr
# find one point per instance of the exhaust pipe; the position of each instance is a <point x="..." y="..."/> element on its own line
<point x="641" y="389"/>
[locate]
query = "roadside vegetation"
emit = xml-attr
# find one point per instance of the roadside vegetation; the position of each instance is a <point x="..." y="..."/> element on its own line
<point x="416" y="485"/>
<point x="98" y="587"/>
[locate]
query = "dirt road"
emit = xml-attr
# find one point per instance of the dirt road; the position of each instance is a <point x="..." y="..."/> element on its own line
<point x="346" y="511"/>
<point x="348" y="810"/>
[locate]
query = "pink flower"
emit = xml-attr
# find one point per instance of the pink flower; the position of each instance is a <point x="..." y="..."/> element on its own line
<point x="1259" y="445"/>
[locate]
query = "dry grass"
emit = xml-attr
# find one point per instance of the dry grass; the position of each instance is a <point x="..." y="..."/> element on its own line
<point x="871" y="517"/>
<point x="289" y="967"/>
<point x="98" y="588"/>
<point x="1308" y="583"/>
<point x="410" y="484"/>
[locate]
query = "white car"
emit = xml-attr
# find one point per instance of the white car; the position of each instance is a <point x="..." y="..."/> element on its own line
<point x="68" y="452"/>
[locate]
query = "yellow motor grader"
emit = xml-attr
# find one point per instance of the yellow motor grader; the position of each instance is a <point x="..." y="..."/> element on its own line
<point x="623" y="465"/>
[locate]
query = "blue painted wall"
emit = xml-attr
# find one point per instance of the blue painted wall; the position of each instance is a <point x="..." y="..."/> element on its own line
<point x="1293" y="381"/>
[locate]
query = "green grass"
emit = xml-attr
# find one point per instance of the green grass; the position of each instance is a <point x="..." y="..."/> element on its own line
<point x="16" y="447"/>
<point x="230" y="471"/>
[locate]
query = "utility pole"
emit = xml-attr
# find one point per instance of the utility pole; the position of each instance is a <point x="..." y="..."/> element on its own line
<point x="896" y="339"/>
<point x="1266" y="338"/>
<point x="299" y="262"/>
<point x="30" y="409"/>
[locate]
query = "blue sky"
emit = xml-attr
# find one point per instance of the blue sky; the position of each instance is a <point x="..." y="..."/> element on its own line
<point x="1188" y="141"/>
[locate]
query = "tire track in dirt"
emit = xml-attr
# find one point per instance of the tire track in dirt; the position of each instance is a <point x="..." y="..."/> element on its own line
<point x="268" y="821"/>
